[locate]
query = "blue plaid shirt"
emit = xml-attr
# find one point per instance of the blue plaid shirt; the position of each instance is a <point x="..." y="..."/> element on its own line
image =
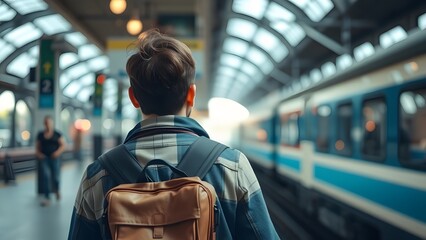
<point x="244" y="214"/>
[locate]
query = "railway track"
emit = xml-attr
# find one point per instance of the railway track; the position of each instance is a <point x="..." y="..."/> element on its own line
<point x="290" y="221"/>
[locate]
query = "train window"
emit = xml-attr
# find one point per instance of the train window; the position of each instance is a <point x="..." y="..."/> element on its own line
<point x="343" y="145"/>
<point x="412" y="130"/>
<point x="23" y="124"/>
<point x="323" y="130"/>
<point x="374" y="125"/>
<point x="7" y="98"/>
<point x="290" y="129"/>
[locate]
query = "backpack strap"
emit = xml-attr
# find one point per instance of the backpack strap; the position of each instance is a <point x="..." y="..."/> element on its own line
<point x="121" y="164"/>
<point x="200" y="157"/>
<point x="126" y="168"/>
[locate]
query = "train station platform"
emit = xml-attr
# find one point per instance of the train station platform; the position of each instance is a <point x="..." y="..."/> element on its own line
<point x="24" y="218"/>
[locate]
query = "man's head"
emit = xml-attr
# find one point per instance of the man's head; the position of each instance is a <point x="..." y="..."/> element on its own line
<point x="48" y="122"/>
<point x="161" y="75"/>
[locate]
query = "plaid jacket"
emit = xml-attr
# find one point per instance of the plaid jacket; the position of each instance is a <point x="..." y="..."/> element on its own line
<point x="244" y="214"/>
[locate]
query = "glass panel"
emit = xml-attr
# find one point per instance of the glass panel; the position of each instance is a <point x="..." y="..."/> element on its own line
<point x="21" y="65"/>
<point x="72" y="89"/>
<point x="6" y="13"/>
<point x="88" y="51"/>
<point x="6" y="50"/>
<point x="260" y="59"/>
<point x="7" y="98"/>
<point x="282" y="21"/>
<point x="323" y="128"/>
<point x="99" y="63"/>
<point x="315" y="9"/>
<point x="363" y="51"/>
<point x="374" y="128"/>
<point x="77" y="70"/>
<point x="328" y="69"/>
<point x="290" y="129"/>
<point x="88" y="79"/>
<point x="230" y="60"/>
<point x="235" y="46"/>
<point x="270" y="44"/>
<point x="23" y="124"/>
<point x="422" y="21"/>
<point x="52" y="24"/>
<point x="412" y="130"/>
<point x="243" y="78"/>
<point x="67" y="59"/>
<point x="64" y="80"/>
<point x="315" y="75"/>
<point x="344" y="61"/>
<point x="392" y="36"/>
<point x="23" y="35"/>
<point x="27" y="6"/>
<point x="77" y="39"/>
<point x="228" y="71"/>
<point x="34" y="51"/>
<point x="253" y="8"/>
<point x="85" y="93"/>
<point x="305" y="81"/>
<point x="241" y="28"/>
<point x="249" y="68"/>
<point x="343" y="145"/>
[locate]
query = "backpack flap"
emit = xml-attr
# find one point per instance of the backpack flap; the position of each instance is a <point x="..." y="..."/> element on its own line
<point x="177" y="209"/>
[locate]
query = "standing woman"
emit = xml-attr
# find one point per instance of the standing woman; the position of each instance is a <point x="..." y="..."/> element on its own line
<point x="49" y="147"/>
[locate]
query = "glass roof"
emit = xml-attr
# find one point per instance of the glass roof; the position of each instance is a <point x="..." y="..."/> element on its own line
<point x="315" y="75"/>
<point x="23" y="34"/>
<point x="77" y="70"/>
<point x="270" y="44"/>
<point x="241" y="28"/>
<point x="227" y="71"/>
<point x="27" y="6"/>
<point x="422" y="21"/>
<point x="6" y="13"/>
<point x="67" y="59"/>
<point x="344" y="61"/>
<point x="6" y="49"/>
<point x="283" y="21"/>
<point x="99" y="63"/>
<point x="88" y="51"/>
<point x="252" y="8"/>
<point x="392" y="36"/>
<point x="77" y="39"/>
<point x="72" y="89"/>
<point x="260" y="59"/>
<point x="363" y="51"/>
<point x="63" y="80"/>
<point x="314" y="9"/>
<point x="235" y="46"/>
<point x="230" y="60"/>
<point x="21" y="65"/>
<point x="249" y="68"/>
<point x="52" y="24"/>
<point x="328" y="69"/>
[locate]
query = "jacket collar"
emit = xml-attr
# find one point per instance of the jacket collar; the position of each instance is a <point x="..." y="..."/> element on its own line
<point x="169" y="121"/>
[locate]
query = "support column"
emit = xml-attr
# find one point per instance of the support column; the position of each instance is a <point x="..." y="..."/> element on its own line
<point x="118" y="114"/>
<point x="48" y="93"/>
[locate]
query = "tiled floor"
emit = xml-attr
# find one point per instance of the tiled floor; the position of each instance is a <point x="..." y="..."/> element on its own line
<point x="22" y="217"/>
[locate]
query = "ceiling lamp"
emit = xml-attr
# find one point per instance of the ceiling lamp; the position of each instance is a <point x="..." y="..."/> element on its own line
<point x="134" y="25"/>
<point x="117" y="6"/>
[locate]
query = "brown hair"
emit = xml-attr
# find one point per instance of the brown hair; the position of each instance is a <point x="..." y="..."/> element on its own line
<point x="161" y="73"/>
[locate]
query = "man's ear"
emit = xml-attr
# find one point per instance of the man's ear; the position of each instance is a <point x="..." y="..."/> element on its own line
<point x="190" y="97"/>
<point x="133" y="99"/>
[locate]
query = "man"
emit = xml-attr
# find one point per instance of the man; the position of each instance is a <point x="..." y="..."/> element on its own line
<point x="162" y="86"/>
<point x="49" y="147"/>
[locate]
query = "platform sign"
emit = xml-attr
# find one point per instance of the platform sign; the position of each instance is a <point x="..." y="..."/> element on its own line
<point x="98" y="95"/>
<point x="47" y="74"/>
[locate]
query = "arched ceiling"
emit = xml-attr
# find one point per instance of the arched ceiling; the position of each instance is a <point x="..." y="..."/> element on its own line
<point x="252" y="47"/>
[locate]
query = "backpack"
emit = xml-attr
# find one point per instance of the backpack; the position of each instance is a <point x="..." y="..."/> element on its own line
<point x="180" y="208"/>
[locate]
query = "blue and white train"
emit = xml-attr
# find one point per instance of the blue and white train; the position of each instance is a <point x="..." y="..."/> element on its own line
<point x="354" y="152"/>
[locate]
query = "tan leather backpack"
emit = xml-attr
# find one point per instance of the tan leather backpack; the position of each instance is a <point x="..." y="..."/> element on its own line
<point x="180" y="208"/>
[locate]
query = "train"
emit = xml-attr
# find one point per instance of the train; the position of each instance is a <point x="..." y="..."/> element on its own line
<point x="353" y="153"/>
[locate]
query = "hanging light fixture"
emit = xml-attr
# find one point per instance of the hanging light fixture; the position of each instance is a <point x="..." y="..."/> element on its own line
<point x="117" y="6"/>
<point x="134" y="25"/>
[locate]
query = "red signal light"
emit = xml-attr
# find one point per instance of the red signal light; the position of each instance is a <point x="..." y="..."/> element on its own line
<point x="100" y="79"/>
